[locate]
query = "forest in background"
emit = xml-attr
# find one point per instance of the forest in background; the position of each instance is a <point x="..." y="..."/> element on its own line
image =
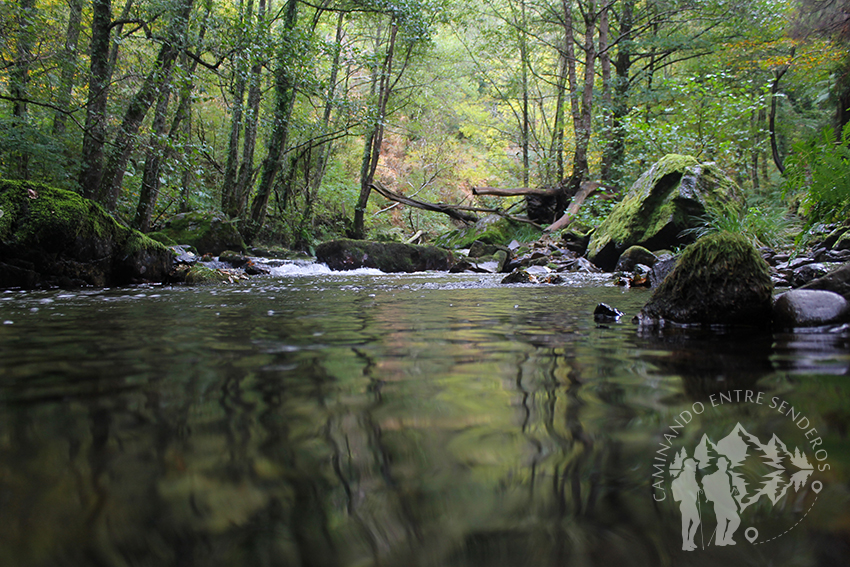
<point x="284" y="113"/>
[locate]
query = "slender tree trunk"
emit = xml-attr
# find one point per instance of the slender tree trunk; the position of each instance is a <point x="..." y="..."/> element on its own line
<point x="285" y="84"/>
<point x="153" y="158"/>
<point x="581" y="169"/>
<point x="374" y="140"/>
<point x="19" y="78"/>
<point x="246" y="169"/>
<point x="616" y="146"/>
<point x="774" y="146"/>
<point x="560" y="113"/>
<point x="228" y="188"/>
<point x="324" y="150"/>
<point x="523" y="51"/>
<point x="68" y="66"/>
<point x="179" y="132"/>
<point x="94" y="136"/>
<point x="607" y="96"/>
<point x="110" y="184"/>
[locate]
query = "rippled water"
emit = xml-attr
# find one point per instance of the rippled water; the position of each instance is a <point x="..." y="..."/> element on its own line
<point x="426" y="420"/>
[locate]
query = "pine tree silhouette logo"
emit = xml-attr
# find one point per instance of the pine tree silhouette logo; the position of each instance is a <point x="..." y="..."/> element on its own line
<point x="710" y="480"/>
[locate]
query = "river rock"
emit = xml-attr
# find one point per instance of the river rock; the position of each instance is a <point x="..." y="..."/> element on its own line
<point x="837" y="280"/>
<point x="51" y="237"/>
<point x="660" y="270"/>
<point x="665" y="201"/>
<point x="388" y="257"/>
<point x="634" y="255"/>
<point x="208" y="232"/>
<point x="719" y="280"/>
<point x="810" y="308"/>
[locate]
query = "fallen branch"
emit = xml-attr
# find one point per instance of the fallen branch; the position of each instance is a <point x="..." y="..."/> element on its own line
<point x="453" y="211"/>
<point x="587" y="189"/>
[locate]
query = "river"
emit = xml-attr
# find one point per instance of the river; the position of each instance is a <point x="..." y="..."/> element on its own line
<point x="408" y="420"/>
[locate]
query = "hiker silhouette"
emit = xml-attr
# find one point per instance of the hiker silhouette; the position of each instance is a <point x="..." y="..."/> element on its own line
<point x="718" y="490"/>
<point x="686" y="490"/>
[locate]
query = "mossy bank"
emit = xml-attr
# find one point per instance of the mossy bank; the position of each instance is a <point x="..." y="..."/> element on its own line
<point x="54" y="238"/>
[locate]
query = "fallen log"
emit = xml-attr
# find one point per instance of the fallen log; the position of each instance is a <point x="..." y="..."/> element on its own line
<point x="521" y="191"/>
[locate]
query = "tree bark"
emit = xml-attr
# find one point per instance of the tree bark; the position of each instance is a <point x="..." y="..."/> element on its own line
<point x="228" y="187"/>
<point x="19" y="78"/>
<point x="771" y="120"/>
<point x="607" y="96"/>
<point x="153" y="158"/>
<point x="374" y="139"/>
<point x="285" y="83"/>
<point x="68" y="65"/>
<point x="615" y="149"/>
<point x="94" y="136"/>
<point x="110" y="184"/>
<point x="246" y="168"/>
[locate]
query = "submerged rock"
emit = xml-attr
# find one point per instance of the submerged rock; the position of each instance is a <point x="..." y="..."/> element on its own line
<point x="385" y="256"/>
<point x="664" y="202"/>
<point x="810" y="308"/>
<point x="719" y="280"/>
<point x="52" y="237"/>
<point x="604" y="313"/>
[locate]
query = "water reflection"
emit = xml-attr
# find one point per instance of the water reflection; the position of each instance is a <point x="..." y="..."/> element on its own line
<point x="378" y="421"/>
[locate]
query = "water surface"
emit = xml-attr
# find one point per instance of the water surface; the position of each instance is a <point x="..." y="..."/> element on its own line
<point x="424" y="419"/>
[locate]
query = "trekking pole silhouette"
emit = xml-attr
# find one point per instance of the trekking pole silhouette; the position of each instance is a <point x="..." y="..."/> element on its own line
<point x="699" y="514"/>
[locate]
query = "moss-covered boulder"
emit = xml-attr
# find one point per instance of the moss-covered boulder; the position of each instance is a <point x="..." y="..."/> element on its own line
<point x="666" y="200"/>
<point x="209" y="232"/>
<point x="719" y="280"/>
<point x="388" y="257"/>
<point x="492" y="229"/>
<point x="51" y="237"/>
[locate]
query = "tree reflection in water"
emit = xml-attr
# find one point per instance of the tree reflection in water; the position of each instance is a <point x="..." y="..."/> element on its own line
<point x="396" y="426"/>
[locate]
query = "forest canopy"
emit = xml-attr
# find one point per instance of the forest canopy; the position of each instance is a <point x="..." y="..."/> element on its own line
<point x="284" y="114"/>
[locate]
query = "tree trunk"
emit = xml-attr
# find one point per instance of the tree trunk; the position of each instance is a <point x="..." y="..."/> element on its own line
<point x="523" y="51"/>
<point x="607" y="96"/>
<point x="94" y="136"/>
<point x="228" y="187"/>
<point x="19" y="78"/>
<point x="616" y="146"/>
<point x="246" y="169"/>
<point x="285" y="100"/>
<point x="68" y="65"/>
<point x="153" y="158"/>
<point x="113" y="176"/>
<point x="374" y="139"/>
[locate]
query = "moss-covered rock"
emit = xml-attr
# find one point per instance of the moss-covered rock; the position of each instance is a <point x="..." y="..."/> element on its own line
<point x="209" y="232"/>
<point x="202" y="275"/>
<point x="385" y="256"/>
<point x="664" y="202"/>
<point x="719" y="280"/>
<point x="492" y="229"/>
<point x="52" y="237"/>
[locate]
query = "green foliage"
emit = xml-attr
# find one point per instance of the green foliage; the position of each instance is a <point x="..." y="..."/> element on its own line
<point x="594" y="210"/>
<point x="765" y="224"/>
<point x="818" y="173"/>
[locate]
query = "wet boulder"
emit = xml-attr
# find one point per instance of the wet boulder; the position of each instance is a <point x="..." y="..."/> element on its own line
<point x="719" y="280"/>
<point x="810" y="308"/>
<point x="837" y="280"/>
<point x="208" y="232"/>
<point x="388" y="257"/>
<point x="634" y="256"/>
<point x="51" y="237"/>
<point x="665" y="201"/>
